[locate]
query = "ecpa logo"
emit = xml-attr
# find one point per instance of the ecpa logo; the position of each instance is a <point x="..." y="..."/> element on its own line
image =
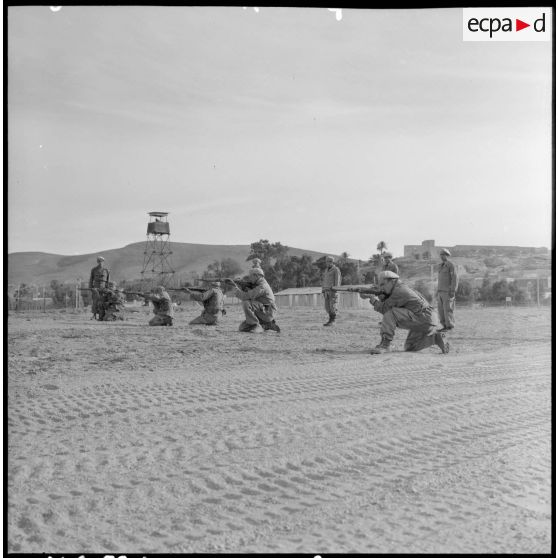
<point x="507" y="24"/>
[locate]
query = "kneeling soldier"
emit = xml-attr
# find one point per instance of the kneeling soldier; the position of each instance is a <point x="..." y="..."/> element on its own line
<point x="212" y="300"/>
<point x="162" y="307"/>
<point x="405" y="308"/>
<point x="112" y="303"/>
<point x="258" y="303"/>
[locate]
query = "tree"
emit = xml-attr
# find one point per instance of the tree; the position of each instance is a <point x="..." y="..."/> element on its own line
<point x="266" y="251"/>
<point x="500" y="290"/>
<point x="464" y="292"/>
<point x="227" y="267"/>
<point x="300" y="272"/>
<point x="381" y="247"/>
<point x="519" y="294"/>
<point x="349" y="270"/>
<point x="484" y="291"/>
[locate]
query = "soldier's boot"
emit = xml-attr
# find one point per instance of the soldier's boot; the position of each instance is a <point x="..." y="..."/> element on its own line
<point x="247" y="328"/>
<point x="440" y="340"/>
<point x="382" y="347"/>
<point x="273" y="326"/>
<point x="331" y="320"/>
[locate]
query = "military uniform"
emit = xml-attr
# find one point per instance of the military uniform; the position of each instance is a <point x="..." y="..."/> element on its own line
<point x="258" y="304"/>
<point x="162" y="308"/>
<point x="98" y="279"/>
<point x="331" y="278"/>
<point x="407" y="309"/>
<point x="113" y="304"/>
<point x="213" y="305"/>
<point x="447" y="285"/>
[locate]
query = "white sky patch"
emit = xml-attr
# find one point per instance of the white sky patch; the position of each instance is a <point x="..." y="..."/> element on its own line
<point x="287" y="125"/>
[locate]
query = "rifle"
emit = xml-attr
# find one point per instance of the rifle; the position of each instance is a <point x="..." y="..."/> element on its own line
<point x="194" y="289"/>
<point x="364" y="289"/>
<point x="144" y="295"/>
<point x="242" y="284"/>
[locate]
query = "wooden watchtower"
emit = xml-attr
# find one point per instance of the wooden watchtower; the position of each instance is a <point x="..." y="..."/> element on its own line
<point x="157" y="266"/>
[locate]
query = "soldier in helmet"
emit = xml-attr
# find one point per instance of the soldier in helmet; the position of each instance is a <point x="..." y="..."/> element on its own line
<point x="331" y="278"/>
<point x="112" y="303"/>
<point x="162" y="307"/>
<point x="97" y="281"/>
<point x="258" y="303"/>
<point x="405" y="308"/>
<point x="447" y="285"/>
<point x="212" y="300"/>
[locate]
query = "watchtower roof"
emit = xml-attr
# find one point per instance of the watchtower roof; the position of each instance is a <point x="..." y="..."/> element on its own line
<point x="158" y="213"/>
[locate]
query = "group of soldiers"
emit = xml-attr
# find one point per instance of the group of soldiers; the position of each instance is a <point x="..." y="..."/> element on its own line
<point x="400" y="305"/>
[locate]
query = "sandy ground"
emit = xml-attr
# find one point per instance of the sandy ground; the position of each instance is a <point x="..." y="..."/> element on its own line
<point x="193" y="439"/>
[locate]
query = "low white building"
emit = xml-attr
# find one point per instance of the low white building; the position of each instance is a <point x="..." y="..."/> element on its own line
<point x="312" y="296"/>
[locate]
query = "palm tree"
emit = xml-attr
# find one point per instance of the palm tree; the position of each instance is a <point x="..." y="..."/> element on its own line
<point x="381" y="247"/>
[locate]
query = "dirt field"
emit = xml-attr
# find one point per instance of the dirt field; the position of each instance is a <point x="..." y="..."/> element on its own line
<point x="125" y="438"/>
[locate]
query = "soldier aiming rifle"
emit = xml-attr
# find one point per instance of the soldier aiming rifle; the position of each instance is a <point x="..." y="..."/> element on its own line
<point x="162" y="305"/>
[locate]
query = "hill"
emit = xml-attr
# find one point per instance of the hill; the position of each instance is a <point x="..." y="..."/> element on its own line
<point x="40" y="268"/>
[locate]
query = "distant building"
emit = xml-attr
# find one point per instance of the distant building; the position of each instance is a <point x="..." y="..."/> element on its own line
<point x="312" y="296"/>
<point x="429" y="250"/>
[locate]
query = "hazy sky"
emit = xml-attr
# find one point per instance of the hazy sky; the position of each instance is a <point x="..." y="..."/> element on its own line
<point x="283" y="124"/>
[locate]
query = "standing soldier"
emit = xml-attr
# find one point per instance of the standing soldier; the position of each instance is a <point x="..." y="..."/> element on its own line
<point x="212" y="300"/>
<point x="98" y="280"/>
<point x="389" y="265"/>
<point x="162" y="307"/>
<point x="331" y="278"/>
<point x="258" y="303"/>
<point x="447" y="285"/>
<point x="404" y="307"/>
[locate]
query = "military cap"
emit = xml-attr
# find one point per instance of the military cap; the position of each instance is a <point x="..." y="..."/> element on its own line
<point x="256" y="271"/>
<point x="100" y="259"/>
<point x="445" y="251"/>
<point x="388" y="255"/>
<point x="329" y="258"/>
<point x="388" y="275"/>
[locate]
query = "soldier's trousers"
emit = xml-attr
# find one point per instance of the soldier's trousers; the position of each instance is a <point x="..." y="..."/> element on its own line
<point x="256" y="312"/>
<point x="112" y="314"/>
<point x="331" y="298"/>
<point x="446" y="306"/>
<point x="160" y="320"/>
<point x="422" y="327"/>
<point x="96" y="304"/>
<point x="206" y="319"/>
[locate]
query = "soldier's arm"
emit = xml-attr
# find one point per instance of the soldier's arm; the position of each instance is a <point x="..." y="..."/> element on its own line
<point x="337" y="277"/>
<point x="196" y="296"/>
<point x="453" y="282"/>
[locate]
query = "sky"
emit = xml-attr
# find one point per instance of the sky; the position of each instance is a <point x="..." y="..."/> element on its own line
<point x="283" y="124"/>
